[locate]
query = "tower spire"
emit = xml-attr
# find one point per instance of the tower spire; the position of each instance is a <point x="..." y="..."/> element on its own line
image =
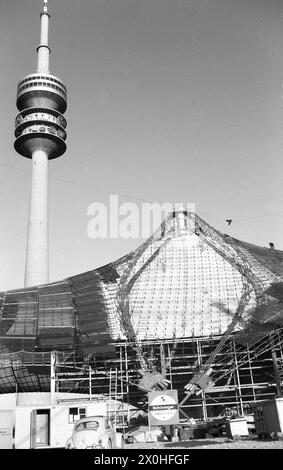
<point x="43" y="50"/>
<point x="40" y="135"/>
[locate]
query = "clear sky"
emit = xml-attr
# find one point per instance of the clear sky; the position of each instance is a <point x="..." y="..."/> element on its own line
<point x="168" y="100"/>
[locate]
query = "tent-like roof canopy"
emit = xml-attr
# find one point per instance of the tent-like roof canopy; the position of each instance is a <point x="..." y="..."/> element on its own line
<point x="184" y="281"/>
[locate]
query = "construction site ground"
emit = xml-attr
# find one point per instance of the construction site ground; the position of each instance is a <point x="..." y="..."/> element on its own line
<point x="211" y="443"/>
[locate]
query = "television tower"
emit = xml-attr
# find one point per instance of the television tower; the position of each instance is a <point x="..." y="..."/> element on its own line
<point x="40" y="135"/>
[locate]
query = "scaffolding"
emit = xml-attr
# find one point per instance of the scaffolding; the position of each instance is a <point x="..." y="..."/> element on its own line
<point x="243" y="376"/>
<point x="185" y="308"/>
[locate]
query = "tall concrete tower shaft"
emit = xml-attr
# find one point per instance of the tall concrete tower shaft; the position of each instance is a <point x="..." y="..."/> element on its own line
<point x="40" y="135"/>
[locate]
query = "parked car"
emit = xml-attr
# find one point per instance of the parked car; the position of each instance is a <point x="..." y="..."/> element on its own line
<point x="94" y="432"/>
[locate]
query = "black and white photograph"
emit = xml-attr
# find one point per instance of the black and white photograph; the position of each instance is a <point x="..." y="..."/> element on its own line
<point x="141" y="231"/>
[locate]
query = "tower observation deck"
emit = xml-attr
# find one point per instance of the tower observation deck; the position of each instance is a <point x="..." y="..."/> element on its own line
<point x="40" y="135"/>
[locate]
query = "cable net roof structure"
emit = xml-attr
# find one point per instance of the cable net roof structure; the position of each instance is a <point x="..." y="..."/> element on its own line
<point x="186" y="281"/>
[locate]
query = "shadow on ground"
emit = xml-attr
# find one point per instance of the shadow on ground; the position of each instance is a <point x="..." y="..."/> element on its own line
<point x="192" y="443"/>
